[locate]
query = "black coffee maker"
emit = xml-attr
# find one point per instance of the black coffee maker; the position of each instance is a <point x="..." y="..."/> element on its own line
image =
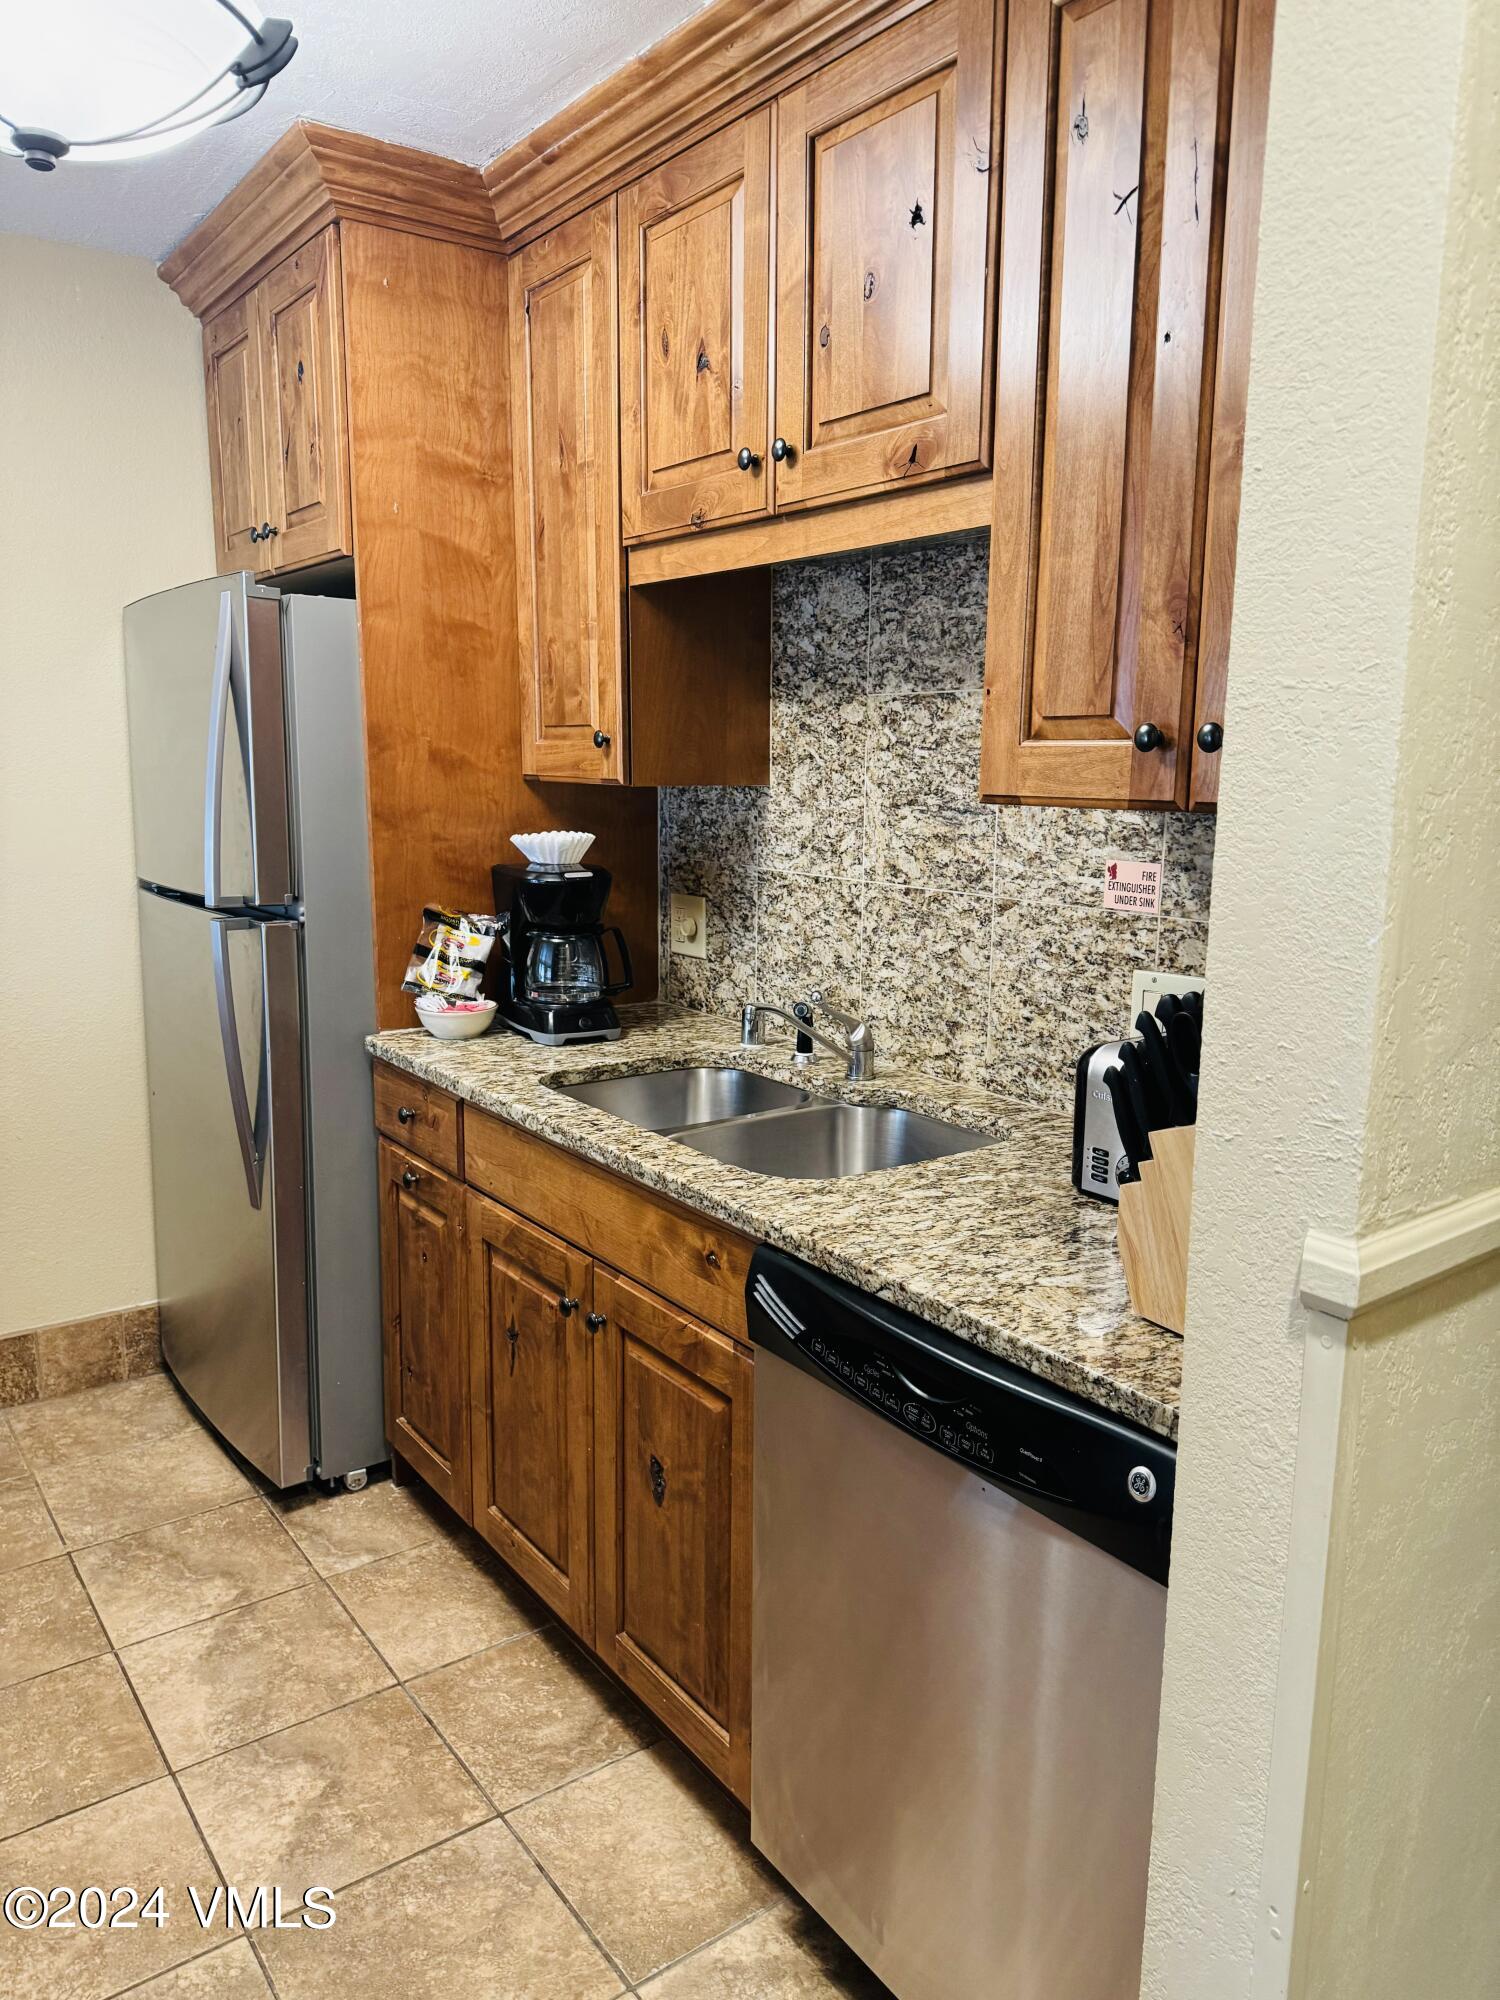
<point x="554" y="983"/>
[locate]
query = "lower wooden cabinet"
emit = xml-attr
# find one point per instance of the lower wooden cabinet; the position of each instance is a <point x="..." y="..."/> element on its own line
<point x="672" y="1488"/>
<point x="531" y="1399"/>
<point x="425" y="1341"/>
<point x="595" y="1434"/>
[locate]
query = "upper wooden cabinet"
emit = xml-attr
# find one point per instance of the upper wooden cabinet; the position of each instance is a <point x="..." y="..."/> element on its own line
<point x="883" y="192"/>
<point x="277" y="427"/>
<point x="695" y="282"/>
<point x="236" y="434"/>
<point x="300" y="306"/>
<point x="1108" y="275"/>
<point x="570" y="577"/>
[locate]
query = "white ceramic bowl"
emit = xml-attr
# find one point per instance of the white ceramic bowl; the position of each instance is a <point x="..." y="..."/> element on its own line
<point x="455" y="1026"/>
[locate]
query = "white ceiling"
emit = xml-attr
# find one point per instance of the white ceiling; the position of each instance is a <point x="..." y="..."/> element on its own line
<point x="458" y="77"/>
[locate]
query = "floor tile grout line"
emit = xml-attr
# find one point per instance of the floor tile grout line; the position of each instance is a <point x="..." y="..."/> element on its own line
<point x="488" y="1798"/>
<point x="208" y="1617"/>
<point x="588" y="1930"/>
<point x="739" y="1924"/>
<point x="283" y="1729"/>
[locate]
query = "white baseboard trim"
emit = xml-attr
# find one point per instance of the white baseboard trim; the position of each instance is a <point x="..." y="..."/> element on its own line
<point x="1345" y="1274"/>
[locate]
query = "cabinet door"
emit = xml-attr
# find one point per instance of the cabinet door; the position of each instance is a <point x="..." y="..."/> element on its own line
<point x="236" y="435"/>
<point x="695" y="286"/>
<point x="567" y="485"/>
<point x="301" y="313"/>
<point x="425" y="1340"/>
<point x="673" y="1521"/>
<point x="531" y="1393"/>
<point x="883" y="232"/>
<point x="1107" y="255"/>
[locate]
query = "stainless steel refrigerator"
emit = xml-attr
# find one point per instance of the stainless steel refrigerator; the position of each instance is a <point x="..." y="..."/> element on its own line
<point x="252" y="863"/>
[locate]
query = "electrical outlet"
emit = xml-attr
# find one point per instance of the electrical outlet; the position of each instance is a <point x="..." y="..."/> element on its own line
<point x="1146" y="988"/>
<point x="688" y="926"/>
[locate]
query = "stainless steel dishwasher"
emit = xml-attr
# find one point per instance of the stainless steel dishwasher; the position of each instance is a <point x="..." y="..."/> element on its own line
<point x="959" y="1606"/>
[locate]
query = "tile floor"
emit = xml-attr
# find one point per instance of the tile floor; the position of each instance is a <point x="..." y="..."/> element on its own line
<point x="201" y="1684"/>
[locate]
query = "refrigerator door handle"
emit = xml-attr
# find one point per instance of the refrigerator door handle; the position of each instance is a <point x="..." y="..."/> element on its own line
<point x="244" y="1123"/>
<point x="213" y="783"/>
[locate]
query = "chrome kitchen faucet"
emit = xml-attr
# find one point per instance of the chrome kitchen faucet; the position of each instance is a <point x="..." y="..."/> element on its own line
<point x="857" y="1048"/>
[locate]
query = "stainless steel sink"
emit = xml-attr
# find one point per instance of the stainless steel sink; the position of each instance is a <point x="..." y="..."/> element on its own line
<point x="751" y="1121"/>
<point x="828" y="1142"/>
<point x="670" y="1099"/>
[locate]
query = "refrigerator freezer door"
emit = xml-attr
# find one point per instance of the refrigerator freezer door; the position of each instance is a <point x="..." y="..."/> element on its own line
<point x="208" y="754"/>
<point x="223" y="1005"/>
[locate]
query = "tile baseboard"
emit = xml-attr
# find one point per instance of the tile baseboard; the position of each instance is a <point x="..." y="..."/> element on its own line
<point x="44" y="1361"/>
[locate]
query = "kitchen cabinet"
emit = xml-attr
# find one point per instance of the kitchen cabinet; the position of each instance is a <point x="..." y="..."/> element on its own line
<point x="1112" y="162"/>
<point x="570" y="572"/>
<point x="355" y="299"/>
<point x="531" y="1395"/>
<point x="672" y="1472"/>
<point x="695" y="304"/>
<point x="594" y="1336"/>
<point x="884" y="195"/>
<point x="299" y="307"/>
<point x="425" y="1337"/>
<point x="236" y="435"/>
<point x="278" y="432"/>
<point x="605" y="698"/>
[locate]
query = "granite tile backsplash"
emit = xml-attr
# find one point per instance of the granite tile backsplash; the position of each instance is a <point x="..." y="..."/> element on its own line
<point x="974" y="937"/>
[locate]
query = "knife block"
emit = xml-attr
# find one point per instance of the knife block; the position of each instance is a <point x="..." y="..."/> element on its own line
<point x="1154" y="1217"/>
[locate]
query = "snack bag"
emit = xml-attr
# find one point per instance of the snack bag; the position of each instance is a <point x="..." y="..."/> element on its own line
<point x="450" y="954"/>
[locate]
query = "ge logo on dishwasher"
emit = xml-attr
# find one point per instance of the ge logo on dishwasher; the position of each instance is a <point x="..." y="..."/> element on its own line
<point x="1142" y="1483"/>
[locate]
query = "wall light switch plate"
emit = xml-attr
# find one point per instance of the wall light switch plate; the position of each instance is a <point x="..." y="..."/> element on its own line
<point x="688" y="922"/>
<point x="1146" y="988"/>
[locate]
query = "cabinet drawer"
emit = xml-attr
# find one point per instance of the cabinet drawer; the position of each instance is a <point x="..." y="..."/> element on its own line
<point x="425" y="1120"/>
<point x="698" y="1263"/>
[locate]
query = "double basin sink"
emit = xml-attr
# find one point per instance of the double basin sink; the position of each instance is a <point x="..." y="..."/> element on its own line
<point x="765" y="1127"/>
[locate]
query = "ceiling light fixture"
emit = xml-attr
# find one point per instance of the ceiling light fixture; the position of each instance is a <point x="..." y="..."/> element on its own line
<point x="117" y="79"/>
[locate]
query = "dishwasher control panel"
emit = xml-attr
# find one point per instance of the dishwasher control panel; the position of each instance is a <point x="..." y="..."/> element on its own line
<point x="957" y="1428"/>
<point x="1061" y="1454"/>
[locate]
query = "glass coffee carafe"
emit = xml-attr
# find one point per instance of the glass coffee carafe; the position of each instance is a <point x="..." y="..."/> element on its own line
<point x="567" y="969"/>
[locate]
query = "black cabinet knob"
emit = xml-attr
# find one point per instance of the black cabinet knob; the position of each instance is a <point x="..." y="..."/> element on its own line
<point x="594" y="1321"/>
<point x="748" y="460"/>
<point x="409" y="1179"/>
<point x="406" y="1114"/>
<point x="567" y="1307"/>
<point x="601" y="741"/>
<point x="266" y="531"/>
<point x="782" y="452"/>
<point x="255" y="534"/>
<point x="1211" y="736"/>
<point x="1149" y="737"/>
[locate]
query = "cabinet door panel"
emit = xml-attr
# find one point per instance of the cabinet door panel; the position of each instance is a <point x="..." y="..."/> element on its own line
<point x="1111" y="129"/>
<point x="673" y="1527"/>
<point x="694" y="333"/>
<point x="425" y="1343"/>
<point x="884" y="226"/>
<point x="567" y="483"/>
<point x="532" y="1399"/>
<point x="236" y="435"/>
<point x="306" y="428"/>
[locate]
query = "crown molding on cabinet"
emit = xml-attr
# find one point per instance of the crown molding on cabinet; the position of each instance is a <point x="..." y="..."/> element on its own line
<point x="314" y="175"/>
<point x="1345" y="1274"/>
<point x="726" y="60"/>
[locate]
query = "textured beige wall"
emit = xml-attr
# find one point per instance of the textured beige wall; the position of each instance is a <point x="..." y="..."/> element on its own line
<point x="1401" y="1855"/>
<point x="103" y="456"/>
<point x="1314" y="964"/>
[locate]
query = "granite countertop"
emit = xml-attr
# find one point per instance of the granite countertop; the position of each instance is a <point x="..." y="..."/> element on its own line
<point x="995" y="1244"/>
